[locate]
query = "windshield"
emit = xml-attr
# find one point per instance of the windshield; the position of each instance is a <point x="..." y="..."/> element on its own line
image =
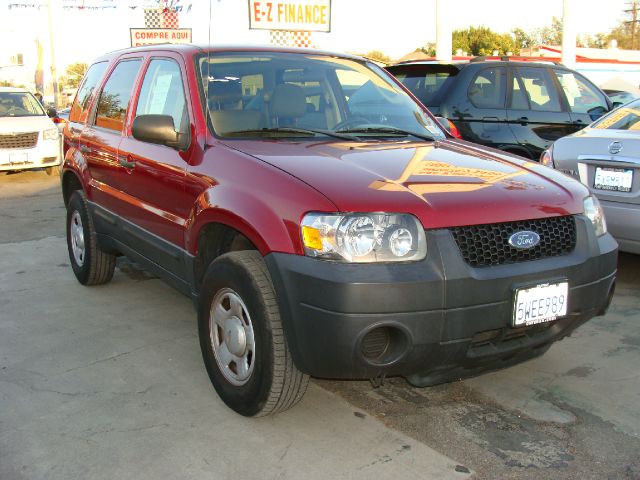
<point x="283" y="95"/>
<point x="623" y="118"/>
<point x="19" y="104"/>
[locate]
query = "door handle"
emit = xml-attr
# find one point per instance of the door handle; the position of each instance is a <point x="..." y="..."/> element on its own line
<point x="126" y="163"/>
<point x="523" y="120"/>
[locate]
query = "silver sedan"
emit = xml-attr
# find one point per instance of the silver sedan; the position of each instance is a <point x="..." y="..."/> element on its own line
<point x="605" y="156"/>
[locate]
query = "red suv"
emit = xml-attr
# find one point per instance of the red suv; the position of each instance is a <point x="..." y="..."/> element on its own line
<point x="322" y="222"/>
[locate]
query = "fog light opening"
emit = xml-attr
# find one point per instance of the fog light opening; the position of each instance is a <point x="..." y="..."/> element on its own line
<point x="383" y="345"/>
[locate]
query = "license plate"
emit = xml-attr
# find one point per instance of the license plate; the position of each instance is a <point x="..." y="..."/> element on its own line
<point x="542" y="303"/>
<point x="613" y="179"/>
<point x="18" y="158"/>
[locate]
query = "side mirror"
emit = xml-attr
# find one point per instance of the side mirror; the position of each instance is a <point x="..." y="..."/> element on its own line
<point x="52" y="112"/>
<point x="158" y="129"/>
<point x="444" y="123"/>
<point x="596" y="112"/>
<point x="617" y="104"/>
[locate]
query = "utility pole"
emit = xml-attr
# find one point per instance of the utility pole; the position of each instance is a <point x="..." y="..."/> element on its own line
<point x="444" y="41"/>
<point x="568" y="34"/>
<point x="634" y="22"/>
<point x="54" y="73"/>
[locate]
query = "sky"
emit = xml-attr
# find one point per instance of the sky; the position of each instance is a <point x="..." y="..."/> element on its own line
<point x="395" y="27"/>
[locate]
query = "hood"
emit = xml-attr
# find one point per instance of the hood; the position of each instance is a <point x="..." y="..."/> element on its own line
<point x="446" y="183"/>
<point x="25" y="124"/>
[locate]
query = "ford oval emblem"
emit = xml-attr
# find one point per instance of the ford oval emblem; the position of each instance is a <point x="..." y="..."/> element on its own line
<point x="615" y="147"/>
<point x="524" y="240"/>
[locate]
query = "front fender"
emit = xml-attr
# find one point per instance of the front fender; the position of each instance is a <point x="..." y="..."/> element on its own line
<point x="75" y="173"/>
<point x="247" y="213"/>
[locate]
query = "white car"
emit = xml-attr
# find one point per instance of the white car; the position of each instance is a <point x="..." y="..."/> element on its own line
<point x="28" y="137"/>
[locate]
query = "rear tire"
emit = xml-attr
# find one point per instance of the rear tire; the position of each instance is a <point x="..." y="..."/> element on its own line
<point x="91" y="265"/>
<point x="242" y="338"/>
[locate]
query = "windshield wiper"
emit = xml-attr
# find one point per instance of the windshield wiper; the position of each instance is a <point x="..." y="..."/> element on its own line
<point x="294" y="130"/>
<point x="382" y="131"/>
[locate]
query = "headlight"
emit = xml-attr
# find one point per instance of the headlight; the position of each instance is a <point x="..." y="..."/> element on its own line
<point x="546" y="158"/>
<point x="593" y="210"/>
<point x="50" y="134"/>
<point x="364" y="237"/>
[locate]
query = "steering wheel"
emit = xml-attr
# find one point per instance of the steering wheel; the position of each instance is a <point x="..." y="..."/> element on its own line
<point x="351" y="122"/>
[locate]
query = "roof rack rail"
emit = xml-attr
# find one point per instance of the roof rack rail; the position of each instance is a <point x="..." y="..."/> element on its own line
<point x="512" y="58"/>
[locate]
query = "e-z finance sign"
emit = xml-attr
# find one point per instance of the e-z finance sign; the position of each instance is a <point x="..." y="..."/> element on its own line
<point x="311" y="15"/>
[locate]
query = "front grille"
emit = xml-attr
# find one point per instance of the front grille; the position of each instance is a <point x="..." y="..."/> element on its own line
<point x="19" y="140"/>
<point x="487" y="245"/>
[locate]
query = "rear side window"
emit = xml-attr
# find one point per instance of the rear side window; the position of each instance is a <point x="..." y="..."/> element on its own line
<point x="425" y="82"/>
<point x="80" y="107"/>
<point x="488" y="88"/>
<point x="581" y="96"/>
<point x="540" y="89"/>
<point x="114" y="98"/>
<point x="162" y="92"/>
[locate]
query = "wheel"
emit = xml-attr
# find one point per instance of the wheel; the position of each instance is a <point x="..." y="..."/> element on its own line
<point x="91" y="265"/>
<point x="242" y="339"/>
<point x="350" y="123"/>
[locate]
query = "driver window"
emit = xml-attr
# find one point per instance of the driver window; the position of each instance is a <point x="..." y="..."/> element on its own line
<point x="581" y="96"/>
<point x="162" y="93"/>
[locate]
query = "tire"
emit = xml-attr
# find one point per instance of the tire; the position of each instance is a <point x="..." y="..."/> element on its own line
<point x="91" y="265"/>
<point x="242" y="339"/>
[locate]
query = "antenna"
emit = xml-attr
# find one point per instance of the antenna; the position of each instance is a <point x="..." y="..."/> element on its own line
<point x="206" y="83"/>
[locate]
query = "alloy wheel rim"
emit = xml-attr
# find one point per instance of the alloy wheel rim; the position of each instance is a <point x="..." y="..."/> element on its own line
<point x="76" y="233"/>
<point x="232" y="337"/>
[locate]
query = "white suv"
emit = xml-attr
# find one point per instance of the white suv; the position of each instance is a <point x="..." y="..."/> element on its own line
<point x="28" y="137"/>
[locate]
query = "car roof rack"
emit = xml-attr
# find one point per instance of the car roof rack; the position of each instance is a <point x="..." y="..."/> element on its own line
<point x="512" y="58"/>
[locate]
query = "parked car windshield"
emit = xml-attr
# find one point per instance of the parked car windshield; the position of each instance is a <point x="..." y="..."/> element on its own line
<point x="305" y="95"/>
<point x="19" y="104"/>
<point x="623" y="118"/>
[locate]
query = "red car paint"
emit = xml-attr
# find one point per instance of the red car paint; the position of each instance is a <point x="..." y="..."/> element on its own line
<point x="262" y="188"/>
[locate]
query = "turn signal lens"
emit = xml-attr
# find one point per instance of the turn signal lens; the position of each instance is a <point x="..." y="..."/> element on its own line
<point x="311" y="238"/>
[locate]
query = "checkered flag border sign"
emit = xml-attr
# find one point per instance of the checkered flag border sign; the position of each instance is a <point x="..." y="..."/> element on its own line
<point x="289" y="38"/>
<point x="161" y="18"/>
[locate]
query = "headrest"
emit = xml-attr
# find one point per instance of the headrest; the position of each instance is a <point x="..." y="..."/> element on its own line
<point x="225" y="90"/>
<point x="288" y="100"/>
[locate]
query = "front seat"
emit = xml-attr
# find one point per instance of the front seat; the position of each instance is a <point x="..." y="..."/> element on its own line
<point x="288" y="103"/>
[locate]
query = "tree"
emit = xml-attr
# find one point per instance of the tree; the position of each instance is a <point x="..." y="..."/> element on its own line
<point x="378" y="56"/>
<point x="599" y="40"/>
<point x="626" y="33"/>
<point x="549" y="35"/>
<point x="483" y="41"/>
<point x="428" y="48"/>
<point x="522" y="39"/>
<point x="74" y="74"/>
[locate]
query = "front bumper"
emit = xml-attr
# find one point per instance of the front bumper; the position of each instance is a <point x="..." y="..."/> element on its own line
<point x="441" y="318"/>
<point x="46" y="153"/>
